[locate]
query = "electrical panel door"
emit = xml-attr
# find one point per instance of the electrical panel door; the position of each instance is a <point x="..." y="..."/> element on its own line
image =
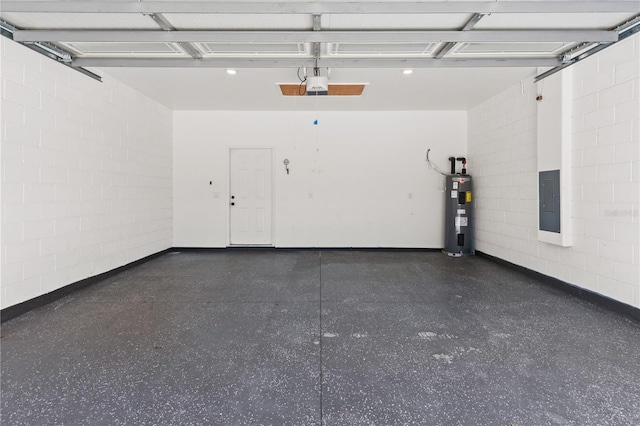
<point x="549" y="199"/>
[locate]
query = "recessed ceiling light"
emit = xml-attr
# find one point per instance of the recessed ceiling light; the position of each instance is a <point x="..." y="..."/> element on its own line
<point x="232" y="72"/>
<point x="407" y="72"/>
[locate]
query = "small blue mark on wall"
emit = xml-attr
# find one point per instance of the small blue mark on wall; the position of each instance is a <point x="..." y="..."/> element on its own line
<point x="315" y="122"/>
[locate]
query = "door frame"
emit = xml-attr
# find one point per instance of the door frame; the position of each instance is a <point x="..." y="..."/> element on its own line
<point x="228" y="195"/>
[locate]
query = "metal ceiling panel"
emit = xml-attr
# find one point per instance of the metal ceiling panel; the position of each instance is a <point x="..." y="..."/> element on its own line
<point x="322" y="7"/>
<point x="510" y="21"/>
<point x="155" y="50"/>
<point x="343" y="33"/>
<point x="253" y="49"/>
<point x="239" y="22"/>
<point x="397" y="22"/>
<point x="380" y="49"/>
<point x="93" y="21"/>
<point x="474" y="50"/>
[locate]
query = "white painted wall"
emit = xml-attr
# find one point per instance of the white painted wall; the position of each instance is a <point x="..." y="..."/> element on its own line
<point x="86" y="175"/>
<point x="358" y="179"/>
<point x="604" y="257"/>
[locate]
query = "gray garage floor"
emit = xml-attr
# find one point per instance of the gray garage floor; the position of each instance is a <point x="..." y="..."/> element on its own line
<point x="307" y="338"/>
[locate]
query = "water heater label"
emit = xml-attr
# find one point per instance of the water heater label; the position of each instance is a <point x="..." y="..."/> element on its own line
<point x="461" y="221"/>
<point x="454" y="194"/>
<point x="462" y="211"/>
<point x="455" y="185"/>
<point x="468" y="196"/>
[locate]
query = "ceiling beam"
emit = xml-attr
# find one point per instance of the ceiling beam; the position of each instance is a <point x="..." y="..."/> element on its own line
<point x="194" y="63"/>
<point x="486" y="36"/>
<point x="438" y="63"/>
<point x="313" y="7"/>
<point x="310" y="62"/>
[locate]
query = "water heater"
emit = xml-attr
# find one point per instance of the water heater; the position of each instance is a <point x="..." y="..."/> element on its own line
<point x="458" y="222"/>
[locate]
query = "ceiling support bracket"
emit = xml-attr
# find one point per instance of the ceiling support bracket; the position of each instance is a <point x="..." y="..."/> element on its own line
<point x="446" y="48"/>
<point x="165" y="25"/>
<point x="316" y="46"/>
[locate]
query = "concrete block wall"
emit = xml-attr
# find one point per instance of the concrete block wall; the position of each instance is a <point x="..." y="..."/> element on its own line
<point x="604" y="257"/>
<point x="86" y="175"/>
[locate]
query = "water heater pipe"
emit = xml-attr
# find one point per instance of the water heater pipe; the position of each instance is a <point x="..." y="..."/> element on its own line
<point x="452" y="160"/>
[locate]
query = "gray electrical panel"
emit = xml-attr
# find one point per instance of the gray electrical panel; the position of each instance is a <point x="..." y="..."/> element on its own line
<point x="549" y="200"/>
<point x="458" y="231"/>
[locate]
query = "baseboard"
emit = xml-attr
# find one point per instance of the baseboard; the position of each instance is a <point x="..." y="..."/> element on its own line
<point x="24" y="307"/>
<point x="588" y="295"/>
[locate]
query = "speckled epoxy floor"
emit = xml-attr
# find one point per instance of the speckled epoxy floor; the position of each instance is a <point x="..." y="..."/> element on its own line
<point x="313" y="337"/>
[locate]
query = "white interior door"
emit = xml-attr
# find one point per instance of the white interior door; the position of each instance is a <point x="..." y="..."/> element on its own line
<point x="250" y="203"/>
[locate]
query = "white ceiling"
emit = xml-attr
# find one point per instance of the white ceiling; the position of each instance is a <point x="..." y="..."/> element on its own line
<point x="256" y="89"/>
<point x="203" y="84"/>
